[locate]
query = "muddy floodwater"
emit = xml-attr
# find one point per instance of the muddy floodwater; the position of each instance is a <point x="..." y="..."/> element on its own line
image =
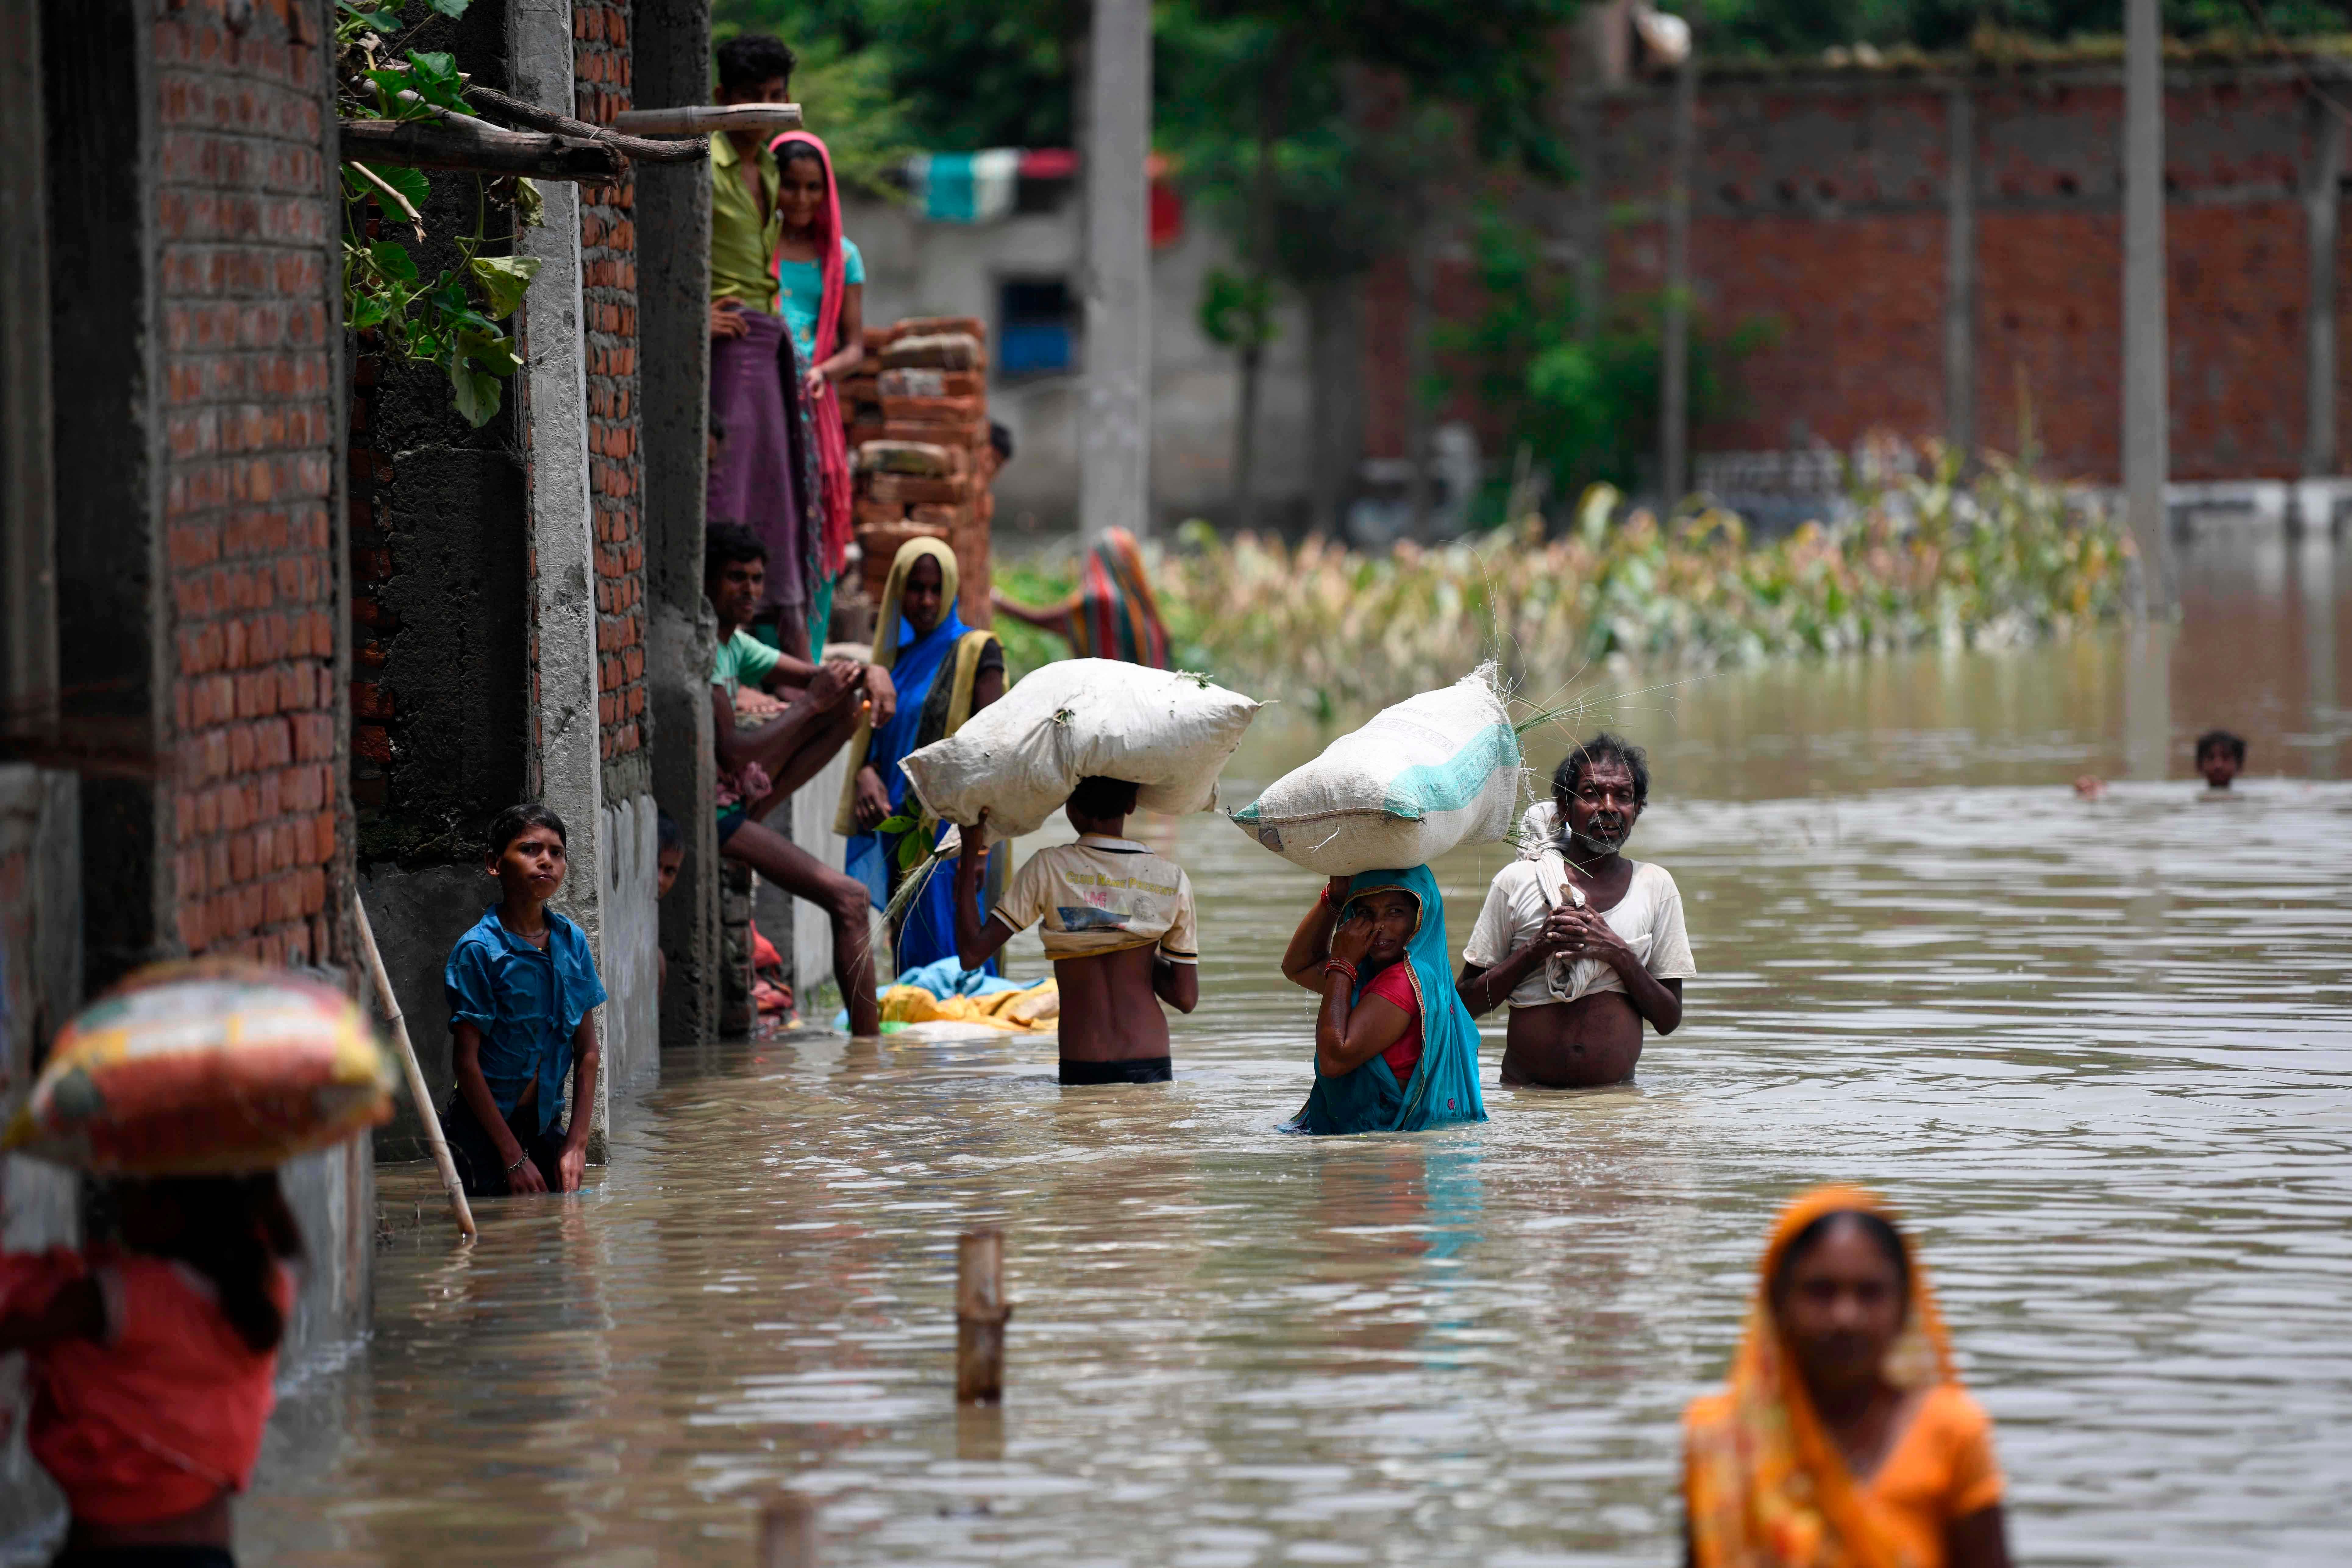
<point x="2100" y="1051"/>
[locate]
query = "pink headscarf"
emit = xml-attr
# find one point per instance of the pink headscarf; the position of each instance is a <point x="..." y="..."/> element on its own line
<point x="831" y="438"/>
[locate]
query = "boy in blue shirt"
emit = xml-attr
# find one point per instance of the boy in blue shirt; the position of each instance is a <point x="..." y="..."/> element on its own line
<point x="521" y="985"/>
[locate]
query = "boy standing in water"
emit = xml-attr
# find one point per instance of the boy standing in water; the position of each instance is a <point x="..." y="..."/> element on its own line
<point x="2220" y="757"/>
<point x="1120" y="927"/>
<point x="521" y="985"/>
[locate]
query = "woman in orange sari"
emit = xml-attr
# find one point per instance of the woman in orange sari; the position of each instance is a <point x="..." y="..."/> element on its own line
<point x="1844" y="1439"/>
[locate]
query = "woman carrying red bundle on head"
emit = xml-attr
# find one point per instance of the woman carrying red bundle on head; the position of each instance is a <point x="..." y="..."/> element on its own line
<point x="1113" y="614"/>
<point x="152" y="1363"/>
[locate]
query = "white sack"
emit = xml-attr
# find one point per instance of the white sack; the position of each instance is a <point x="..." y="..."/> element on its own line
<point x="1434" y="771"/>
<point x="1020" y="757"/>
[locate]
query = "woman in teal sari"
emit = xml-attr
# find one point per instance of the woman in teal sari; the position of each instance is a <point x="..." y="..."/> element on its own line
<point x="1395" y="1050"/>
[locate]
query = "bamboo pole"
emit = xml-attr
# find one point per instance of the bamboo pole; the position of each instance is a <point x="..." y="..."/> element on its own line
<point x="788" y="1533"/>
<point x="462" y="142"/>
<point x="637" y="149"/>
<point x="416" y="1089"/>
<point x="981" y="1314"/>
<point x="687" y="119"/>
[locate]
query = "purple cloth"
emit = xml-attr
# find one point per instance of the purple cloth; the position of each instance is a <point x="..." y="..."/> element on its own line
<point x="755" y="482"/>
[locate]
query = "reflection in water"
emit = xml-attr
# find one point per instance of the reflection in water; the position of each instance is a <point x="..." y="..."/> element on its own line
<point x="2100" y="1053"/>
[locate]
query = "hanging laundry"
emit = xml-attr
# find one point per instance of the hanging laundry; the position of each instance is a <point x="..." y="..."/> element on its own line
<point x="965" y="187"/>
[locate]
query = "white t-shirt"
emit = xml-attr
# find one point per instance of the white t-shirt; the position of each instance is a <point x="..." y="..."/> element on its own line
<point x="1525" y="892"/>
<point x="1103" y="895"/>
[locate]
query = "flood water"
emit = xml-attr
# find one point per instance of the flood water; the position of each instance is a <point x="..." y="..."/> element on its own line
<point x="2100" y="1052"/>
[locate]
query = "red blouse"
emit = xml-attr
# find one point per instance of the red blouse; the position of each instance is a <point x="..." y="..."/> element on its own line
<point x="1394" y="987"/>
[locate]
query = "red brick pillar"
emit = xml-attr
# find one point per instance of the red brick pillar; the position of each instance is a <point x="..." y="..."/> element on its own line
<point x="256" y="826"/>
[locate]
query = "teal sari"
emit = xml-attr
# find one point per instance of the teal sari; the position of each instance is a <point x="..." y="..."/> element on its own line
<point x="1445" y="1084"/>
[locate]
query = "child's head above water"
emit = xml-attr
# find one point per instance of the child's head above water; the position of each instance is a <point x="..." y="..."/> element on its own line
<point x="2220" y="757"/>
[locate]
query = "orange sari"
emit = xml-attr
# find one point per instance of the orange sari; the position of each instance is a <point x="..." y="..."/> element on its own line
<point x="1764" y="1481"/>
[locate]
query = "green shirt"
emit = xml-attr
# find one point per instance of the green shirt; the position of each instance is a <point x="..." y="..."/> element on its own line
<point x="742" y="246"/>
<point x="743" y="659"/>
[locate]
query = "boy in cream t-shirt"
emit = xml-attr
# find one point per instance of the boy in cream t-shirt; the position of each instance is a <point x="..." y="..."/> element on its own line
<point x="1119" y="925"/>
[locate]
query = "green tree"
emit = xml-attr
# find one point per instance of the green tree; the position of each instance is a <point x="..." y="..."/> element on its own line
<point x="1584" y="405"/>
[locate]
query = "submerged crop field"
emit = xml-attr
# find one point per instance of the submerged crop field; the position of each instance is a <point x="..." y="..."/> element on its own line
<point x="2001" y="558"/>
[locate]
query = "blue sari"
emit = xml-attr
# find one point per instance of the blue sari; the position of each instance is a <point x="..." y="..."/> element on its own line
<point x="1445" y="1084"/>
<point x="927" y="931"/>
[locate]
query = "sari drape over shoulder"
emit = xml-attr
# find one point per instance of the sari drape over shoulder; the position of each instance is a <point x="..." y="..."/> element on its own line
<point x="825" y="408"/>
<point x="1763" y="1479"/>
<point x="1117" y="616"/>
<point x="936" y="674"/>
<point x="1444" y="1087"/>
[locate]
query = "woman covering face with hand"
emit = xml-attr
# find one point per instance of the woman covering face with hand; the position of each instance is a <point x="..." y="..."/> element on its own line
<point x="1395" y="1051"/>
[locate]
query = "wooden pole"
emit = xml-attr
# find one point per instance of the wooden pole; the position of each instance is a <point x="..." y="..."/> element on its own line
<point x="637" y="149"/>
<point x="416" y="1089"/>
<point x="981" y="1314"/>
<point x="788" y="1533"/>
<point x="461" y="141"/>
<point x="689" y="118"/>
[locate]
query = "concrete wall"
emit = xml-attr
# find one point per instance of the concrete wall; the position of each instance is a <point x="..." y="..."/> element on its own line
<point x="632" y="945"/>
<point x="915" y="268"/>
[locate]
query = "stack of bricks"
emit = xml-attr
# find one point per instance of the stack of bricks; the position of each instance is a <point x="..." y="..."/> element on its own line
<point x="918" y="429"/>
<point x="244" y="209"/>
<point x="608" y="280"/>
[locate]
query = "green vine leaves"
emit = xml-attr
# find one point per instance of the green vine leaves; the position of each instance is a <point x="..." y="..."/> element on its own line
<point x="450" y="319"/>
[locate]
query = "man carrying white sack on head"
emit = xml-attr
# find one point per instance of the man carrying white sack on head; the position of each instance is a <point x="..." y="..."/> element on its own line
<point x="1587" y="943"/>
<point x="1120" y="927"/>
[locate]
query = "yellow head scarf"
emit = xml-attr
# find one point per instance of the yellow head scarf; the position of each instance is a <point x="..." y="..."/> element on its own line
<point x="1766" y="1484"/>
<point x="885" y="652"/>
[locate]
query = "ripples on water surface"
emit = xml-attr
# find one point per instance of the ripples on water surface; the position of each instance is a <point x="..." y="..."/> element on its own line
<point x="2099" y="1052"/>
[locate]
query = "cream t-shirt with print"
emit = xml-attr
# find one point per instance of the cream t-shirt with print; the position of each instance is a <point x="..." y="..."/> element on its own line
<point x="1103" y="895"/>
<point x="1649" y="918"/>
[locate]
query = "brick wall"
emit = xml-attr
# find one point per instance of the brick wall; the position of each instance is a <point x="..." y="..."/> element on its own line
<point x="1819" y="202"/>
<point x="256" y="831"/>
<point x="608" y="260"/>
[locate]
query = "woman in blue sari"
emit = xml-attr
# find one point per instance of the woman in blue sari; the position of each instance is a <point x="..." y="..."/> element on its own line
<point x="945" y="671"/>
<point x="1395" y="1050"/>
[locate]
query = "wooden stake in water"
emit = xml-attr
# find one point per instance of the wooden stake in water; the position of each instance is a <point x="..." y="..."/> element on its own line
<point x="981" y="1314"/>
<point x="788" y="1533"/>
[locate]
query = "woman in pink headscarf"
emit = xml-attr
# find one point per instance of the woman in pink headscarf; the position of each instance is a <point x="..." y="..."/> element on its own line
<point x="821" y="294"/>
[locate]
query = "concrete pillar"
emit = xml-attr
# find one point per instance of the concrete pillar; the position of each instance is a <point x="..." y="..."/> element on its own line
<point x="2148" y="699"/>
<point x="28" y="584"/>
<point x="671" y="64"/>
<point x="1674" y="336"/>
<point x="2147" y="365"/>
<point x="2315" y="582"/>
<point x="2319" y="208"/>
<point x="1115" y="474"/>
<point x="1960" y="272"/>
<point x="566" y="764"/>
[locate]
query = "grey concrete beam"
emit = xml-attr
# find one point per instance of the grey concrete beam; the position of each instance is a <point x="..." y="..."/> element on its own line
<point x="2146" y="366"/>
<point x="567" y="740"/>
<point x="1114" y="483"/>
<point x="672" y="66"/>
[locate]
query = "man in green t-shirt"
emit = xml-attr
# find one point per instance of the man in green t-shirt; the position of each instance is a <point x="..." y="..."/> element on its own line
<point x="765" y="476"/>
<point x="759" y="765"/>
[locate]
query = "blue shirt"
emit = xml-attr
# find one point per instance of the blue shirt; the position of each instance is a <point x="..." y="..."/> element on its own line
<point x="800" y="289"/>
<point x="526" y="1004"/>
